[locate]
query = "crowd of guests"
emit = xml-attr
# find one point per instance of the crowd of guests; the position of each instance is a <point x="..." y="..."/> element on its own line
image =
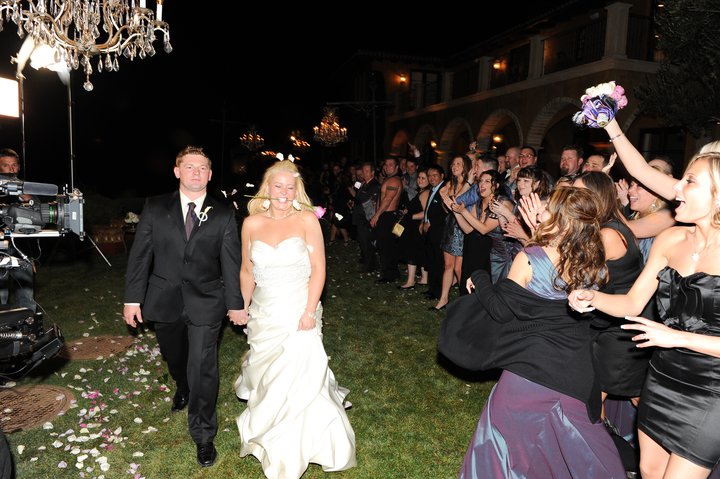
<point x="418" y="224"/>
<point x="443" y="228"/>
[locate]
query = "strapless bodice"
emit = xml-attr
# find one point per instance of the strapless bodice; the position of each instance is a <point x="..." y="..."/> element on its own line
<point x="284" y="265"/>
<point x="689" y="303"/>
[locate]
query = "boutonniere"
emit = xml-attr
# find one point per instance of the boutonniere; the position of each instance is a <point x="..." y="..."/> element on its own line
<point x="203" y="216"/>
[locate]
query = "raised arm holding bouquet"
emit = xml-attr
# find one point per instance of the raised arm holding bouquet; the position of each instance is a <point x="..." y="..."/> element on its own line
<point x="679" y="411"/>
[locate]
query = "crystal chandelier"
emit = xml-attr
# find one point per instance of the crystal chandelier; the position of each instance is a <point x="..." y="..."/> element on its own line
<point x="252" y="140"/>
<point x="72" y="29"/>
<point x="329" y="133"/>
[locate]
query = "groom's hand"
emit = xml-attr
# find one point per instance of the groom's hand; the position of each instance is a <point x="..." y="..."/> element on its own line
<point x="132" y="315"/>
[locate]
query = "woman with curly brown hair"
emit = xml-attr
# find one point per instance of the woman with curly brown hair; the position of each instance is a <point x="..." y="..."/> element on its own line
<point x="542" y="417"/>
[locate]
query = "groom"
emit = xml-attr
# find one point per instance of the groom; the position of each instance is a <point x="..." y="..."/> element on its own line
<point x="183" y="275"/>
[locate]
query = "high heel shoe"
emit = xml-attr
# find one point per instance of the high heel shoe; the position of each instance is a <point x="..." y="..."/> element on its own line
<point x="433" y="308"/>
<point x="406" y="287"/>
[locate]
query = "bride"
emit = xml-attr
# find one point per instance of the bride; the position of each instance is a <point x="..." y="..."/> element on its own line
<point x="294" y="413"/>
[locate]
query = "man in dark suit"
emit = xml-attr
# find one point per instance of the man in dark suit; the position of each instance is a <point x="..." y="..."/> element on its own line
<point x="433" y="227"/>
<point x="184" y="269"/>
<point x="364" y="208"/>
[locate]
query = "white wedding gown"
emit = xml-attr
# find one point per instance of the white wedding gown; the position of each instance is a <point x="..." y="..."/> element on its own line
<point x="295" y="413"/>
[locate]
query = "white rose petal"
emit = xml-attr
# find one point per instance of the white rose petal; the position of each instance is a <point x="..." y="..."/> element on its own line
<point x="20" y="449"/>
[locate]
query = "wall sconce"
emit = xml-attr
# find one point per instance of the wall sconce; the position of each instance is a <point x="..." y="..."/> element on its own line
<point x="433" y="144"/>
<point x="497" y="64"/>
<point x="402" y="79"/>
<point x="497" y="138"/>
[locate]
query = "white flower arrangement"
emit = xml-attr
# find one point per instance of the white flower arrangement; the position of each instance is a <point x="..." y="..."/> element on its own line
<point x="132" y="218"/>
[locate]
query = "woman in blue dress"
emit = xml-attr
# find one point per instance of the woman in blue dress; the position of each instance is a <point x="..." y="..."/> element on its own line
<point x="453" y="237"/>
<point x="480" y="219"/>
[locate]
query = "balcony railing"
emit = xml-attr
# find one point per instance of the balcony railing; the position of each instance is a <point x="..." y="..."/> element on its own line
<point x="579" y="46"/>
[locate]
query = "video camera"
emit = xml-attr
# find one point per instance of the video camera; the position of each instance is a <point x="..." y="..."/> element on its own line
<point x="24" y="344"/>
<point x="32" y="219"/>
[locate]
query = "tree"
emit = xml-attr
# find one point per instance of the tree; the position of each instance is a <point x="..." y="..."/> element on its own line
<point x="685" y="92"/>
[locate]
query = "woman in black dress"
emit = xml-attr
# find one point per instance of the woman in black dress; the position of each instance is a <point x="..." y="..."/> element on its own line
<point x="411" y="244"/>
<point x="620" y="366"/>
<point x="679" y="412"/>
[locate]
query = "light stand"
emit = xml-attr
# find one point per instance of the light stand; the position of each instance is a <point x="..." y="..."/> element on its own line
<point x="71" y="131"/>
<point x="20" y="80"/>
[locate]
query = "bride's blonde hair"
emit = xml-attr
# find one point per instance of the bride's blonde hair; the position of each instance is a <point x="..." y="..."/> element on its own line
<point x="255" y="205"/>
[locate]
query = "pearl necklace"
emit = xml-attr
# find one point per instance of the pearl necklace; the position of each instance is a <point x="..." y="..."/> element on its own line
<point x="269" y="215"/>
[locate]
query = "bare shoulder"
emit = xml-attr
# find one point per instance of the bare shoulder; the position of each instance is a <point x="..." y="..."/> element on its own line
<point x="674" y="235"/>
<point x="309" y="218"/>
<point x="252" y="222"/>
<point x="520" y="270"/>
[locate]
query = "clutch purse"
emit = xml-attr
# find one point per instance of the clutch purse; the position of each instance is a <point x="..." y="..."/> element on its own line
<point x="397" y="228"/>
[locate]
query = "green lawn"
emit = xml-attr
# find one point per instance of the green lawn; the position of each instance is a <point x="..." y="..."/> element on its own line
<point x="412" y="418"/>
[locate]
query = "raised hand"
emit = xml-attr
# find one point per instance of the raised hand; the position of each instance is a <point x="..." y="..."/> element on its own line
<point x="500" y="209"/>
<point x="513" y="229"/>
<point x="611" y="162"/>
<point x="621" y="186"/>
<point x="531" y="207"/>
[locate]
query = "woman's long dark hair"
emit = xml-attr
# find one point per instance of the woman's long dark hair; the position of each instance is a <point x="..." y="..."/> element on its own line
<point x="574" y="230"/>
<point x="604" y="187"/>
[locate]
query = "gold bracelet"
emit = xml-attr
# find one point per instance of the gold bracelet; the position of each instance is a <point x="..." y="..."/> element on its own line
<point x="616" y="137"/>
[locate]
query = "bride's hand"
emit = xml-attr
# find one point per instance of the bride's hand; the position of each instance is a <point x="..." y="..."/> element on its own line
<point x="307" y="321"/>
<point x="238" y="316"/>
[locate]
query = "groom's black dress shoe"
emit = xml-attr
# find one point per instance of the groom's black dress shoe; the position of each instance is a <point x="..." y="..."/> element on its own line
<point x="179" y="402"/>
<point x="206" y="454"/>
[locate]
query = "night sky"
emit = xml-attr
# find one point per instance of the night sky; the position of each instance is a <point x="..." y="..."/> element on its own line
<point x="129" y="128"/>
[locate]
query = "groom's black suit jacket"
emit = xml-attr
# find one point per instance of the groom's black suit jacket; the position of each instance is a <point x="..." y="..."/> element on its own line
<point x="169" y="274"/>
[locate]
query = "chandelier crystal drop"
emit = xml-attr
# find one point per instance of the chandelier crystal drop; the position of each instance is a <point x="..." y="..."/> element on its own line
<point x="330" y="133"/>
<point x="72" y="28"/>
<point x="252" y="140"/>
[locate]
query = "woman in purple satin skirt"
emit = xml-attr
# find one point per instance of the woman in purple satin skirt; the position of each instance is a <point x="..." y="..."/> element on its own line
<point x="542" y="418"/>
